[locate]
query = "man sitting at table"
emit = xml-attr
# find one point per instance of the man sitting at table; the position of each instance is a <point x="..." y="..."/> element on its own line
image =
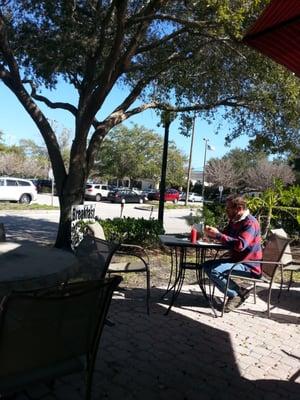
<point x="243" y="238"/>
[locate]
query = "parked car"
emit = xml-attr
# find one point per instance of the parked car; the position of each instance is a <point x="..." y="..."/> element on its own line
<point x="192" y="197"/>
<point x="170" y="195"/>
<point x="145" y="192"/>
<point x="17" y="189"/>
<point x="96" y="191"/>
<point x="128" y="195"/>
<point x="137" y="190"/>
<point x="43" y="185"/>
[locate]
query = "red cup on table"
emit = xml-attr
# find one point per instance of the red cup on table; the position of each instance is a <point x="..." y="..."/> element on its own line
<point x="194" y="235"/>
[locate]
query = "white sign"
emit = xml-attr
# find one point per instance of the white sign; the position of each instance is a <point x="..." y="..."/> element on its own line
<point x="83" y="212"/>
<point x="221" y="188"/>
<point x="80" y="212"/>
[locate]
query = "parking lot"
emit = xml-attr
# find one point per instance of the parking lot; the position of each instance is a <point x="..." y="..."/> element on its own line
<point x="20" y="222"/>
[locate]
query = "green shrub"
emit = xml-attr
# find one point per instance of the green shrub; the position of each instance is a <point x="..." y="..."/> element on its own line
<point x="278" y="207"/>
<point x="133" y="230"/>
<point x="213" y="214"/>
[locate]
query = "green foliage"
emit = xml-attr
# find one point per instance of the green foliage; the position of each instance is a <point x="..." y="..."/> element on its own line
<point x="136" y="153"/>
<point x="132" y="230"/>
<point x="213" y="214"/>
<point x="278" y="207"/>
<point x="202" y="62"/>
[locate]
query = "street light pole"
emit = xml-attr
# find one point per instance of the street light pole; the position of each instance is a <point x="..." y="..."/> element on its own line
<point x="203" y="172"/>
<point x="207" y="147"/>
<point x="190" y="163"/>
<point x="167" y="118"/>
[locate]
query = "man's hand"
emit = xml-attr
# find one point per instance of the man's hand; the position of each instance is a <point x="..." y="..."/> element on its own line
<point x="211" y="232"/>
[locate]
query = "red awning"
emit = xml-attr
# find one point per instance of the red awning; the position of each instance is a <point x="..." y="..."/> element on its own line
<point x="276" y="33"/>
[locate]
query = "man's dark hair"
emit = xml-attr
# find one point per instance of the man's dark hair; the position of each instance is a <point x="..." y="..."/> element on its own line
<point x="237" y="200"/>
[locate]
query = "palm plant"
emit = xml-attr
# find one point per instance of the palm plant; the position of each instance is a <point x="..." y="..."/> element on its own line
<point x="273" y="203"/>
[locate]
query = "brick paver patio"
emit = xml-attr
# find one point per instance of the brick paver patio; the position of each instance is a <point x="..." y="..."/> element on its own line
<point x="189" y="354"/>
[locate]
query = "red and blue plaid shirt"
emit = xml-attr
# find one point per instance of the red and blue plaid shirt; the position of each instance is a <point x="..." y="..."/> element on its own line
<point x="243" y="238"/>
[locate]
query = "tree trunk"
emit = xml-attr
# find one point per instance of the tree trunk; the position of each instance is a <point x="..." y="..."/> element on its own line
<point x="71" y="194"/>
<point x="67" y="200"/>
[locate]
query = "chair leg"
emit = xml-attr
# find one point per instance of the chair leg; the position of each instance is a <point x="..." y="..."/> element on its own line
<point x="211" y="288"/>
<point x="148" y="290"/>
<point x="225" y="295"/>
<point x="254" y="292"/>
<point x="269" y="295"/>
<point x="281" y="283"/>
<point x="89" y="381"/>
<point x="291" y="280"/>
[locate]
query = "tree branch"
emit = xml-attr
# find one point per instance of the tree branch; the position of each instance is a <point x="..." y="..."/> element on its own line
<point x="121" y="65"/>
<point x="162" y="65"/>
<point x="119" y="116"/>
<point x="64" y="106"/>
<point x="96" y="98"/>
<point x="166" y="17"/>
<point x="159" y="42"/>
<point x="92" y="60"/>
<point x="4" y="74"/>
<point x="13" y="81"/>
<point x="229" y="102"/>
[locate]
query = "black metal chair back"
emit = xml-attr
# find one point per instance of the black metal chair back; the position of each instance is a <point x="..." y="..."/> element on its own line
<point x="95" y="256"/>
<point x="45" y="333"/>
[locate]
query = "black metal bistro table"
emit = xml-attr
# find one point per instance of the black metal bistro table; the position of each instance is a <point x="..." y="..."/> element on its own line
<point x="179" y="246"/>
<point x="25" y="265"/>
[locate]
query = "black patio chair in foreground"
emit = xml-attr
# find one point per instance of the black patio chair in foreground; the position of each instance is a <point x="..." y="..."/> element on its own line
<point x="271" y="263"/>
<point x="127" y="258"/>
<point x="46" y="334"/>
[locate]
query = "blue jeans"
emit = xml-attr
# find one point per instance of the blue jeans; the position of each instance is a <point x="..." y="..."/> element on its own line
<point x="217" y="272"/>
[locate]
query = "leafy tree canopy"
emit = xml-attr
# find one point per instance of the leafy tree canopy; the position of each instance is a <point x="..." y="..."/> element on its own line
<point x="187" y="51"/>
<point x="136" y="153"/>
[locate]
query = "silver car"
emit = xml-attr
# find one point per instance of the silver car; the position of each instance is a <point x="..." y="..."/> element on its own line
<point x="193" y="197"/>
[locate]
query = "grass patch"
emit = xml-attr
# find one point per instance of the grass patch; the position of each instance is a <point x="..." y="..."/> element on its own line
<point x="20" y="207"/>
<point x="172" y="206"/>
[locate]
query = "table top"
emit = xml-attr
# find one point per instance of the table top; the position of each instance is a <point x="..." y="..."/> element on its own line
<point x="181" y="241"/>
<point x="26" y="265"/>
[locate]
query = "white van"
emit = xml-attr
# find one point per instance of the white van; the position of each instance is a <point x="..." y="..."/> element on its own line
<point x="17" y="189"/>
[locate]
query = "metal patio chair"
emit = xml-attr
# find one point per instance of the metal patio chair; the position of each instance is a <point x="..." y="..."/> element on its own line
<point x="49" y="333"/>
<point x="271" y="263"/>
<point x="290" y="260"/>
<point x="127" y="258"/>
<point x="95" y="255"/>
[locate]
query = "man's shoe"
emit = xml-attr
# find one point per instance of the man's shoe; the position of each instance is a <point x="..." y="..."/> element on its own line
<point x="233" y="303"/>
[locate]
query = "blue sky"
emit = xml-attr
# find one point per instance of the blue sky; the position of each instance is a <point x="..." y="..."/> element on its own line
<point x="16" y="124"/>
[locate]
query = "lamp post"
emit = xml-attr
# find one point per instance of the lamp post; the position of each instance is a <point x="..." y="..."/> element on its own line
<point x="207" y="147"/>
<point x="190" y="163"/>
<point x="167" y="118"/>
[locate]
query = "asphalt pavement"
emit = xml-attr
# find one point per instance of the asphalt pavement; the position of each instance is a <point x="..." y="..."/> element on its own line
<point x="19" y="224"/>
